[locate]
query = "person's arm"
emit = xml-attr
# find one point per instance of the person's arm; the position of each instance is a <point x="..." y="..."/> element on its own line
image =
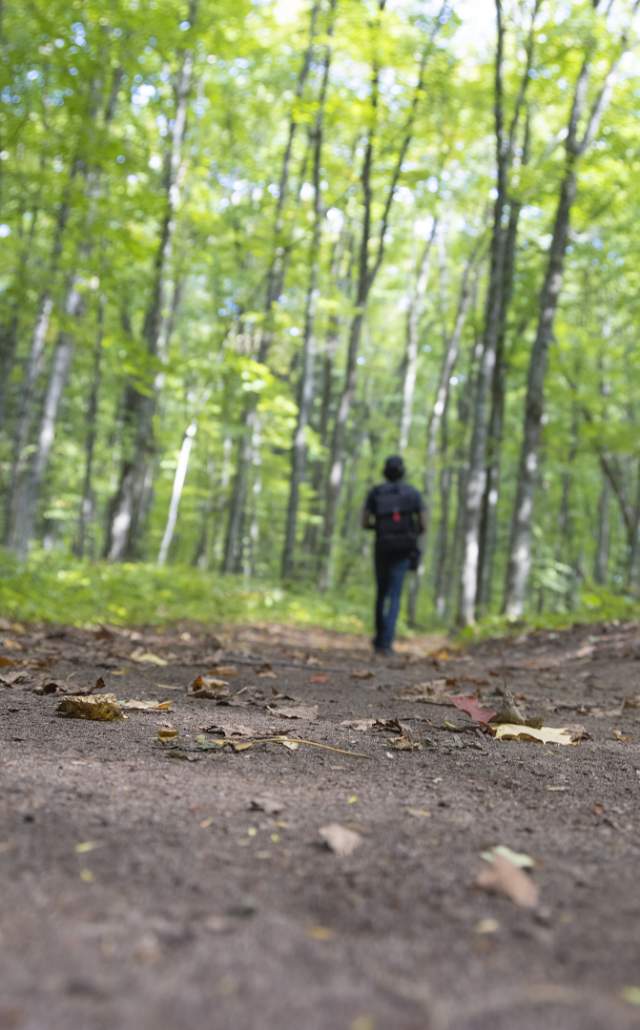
<point x="368" y="519"/>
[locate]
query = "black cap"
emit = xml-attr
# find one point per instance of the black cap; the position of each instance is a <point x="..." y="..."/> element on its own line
<point x="393" y="468"/>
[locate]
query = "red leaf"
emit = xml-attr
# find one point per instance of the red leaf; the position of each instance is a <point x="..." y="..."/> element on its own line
<point x="473" y="708"/>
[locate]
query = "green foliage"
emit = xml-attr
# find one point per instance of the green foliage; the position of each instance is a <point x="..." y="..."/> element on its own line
<point x="51" y="589"/>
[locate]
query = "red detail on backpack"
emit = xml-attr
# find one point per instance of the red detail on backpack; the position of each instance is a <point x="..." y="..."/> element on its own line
<point x="396" y="516"/>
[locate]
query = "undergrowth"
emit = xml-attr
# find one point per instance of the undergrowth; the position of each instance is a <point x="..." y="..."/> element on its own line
<point x="53" y="588"/>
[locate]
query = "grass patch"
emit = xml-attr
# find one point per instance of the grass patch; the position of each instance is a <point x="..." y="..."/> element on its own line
<point x="53" y="589"/>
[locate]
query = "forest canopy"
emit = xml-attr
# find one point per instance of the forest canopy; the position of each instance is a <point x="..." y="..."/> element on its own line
<point x="249" y="248"/>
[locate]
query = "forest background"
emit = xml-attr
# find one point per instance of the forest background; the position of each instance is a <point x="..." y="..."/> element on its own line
<point x="247" y="249"/>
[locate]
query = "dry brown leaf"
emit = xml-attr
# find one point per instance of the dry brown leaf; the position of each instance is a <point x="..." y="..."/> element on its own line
<point x="265" y="671"/>
<point x="360" y="725"/>
<point x="503" y="877"/>
<point x="441" y="655"/>
<point x="102" y="709"/>
<point x="265" y="804"/>
<point x="362" y="674"/>
<point x="134" y="705"/>
<point x="320" y="677"/>
<point x="308" y="712"/>
<point x="5" y="661"/>
<point x="545" y="735"/>
<point x="224" y="670"/>
<point x="339" y="839"/>
<point x="10" y="679"/>
<point x="620" y="737"/>
<point x="429" y="691"/>
<point x="209" y="687"/>
<point x="404" y="743"/>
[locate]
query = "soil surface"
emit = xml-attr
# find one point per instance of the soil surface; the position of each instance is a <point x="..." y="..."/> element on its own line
<point x="159" y="873"/>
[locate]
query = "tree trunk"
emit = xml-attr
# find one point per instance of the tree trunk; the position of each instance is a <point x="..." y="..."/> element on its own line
<point x="412" y="338"/>
<point x="176" y="491"/>
<point x="87" y="512"/>
<point x="437" y="417"/>
<point x="275" y="282"/>
<point x="601" y="561"/>
<point x="33" y="370"/>
<point x="495" y="315"/>
<point x="519" y="562"/>
<point x="128" y="508"/>
<point x="306" y="387"/>
<point x="367" y="271"/>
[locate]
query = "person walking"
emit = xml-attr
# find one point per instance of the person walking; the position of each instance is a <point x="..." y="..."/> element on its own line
<point x="394" y="510"/>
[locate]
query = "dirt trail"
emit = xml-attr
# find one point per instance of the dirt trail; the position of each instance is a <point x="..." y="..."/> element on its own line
<point x="150" y="884"/>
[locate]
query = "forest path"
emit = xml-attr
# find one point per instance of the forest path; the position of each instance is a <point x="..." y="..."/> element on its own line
<point x="150" y="884"/>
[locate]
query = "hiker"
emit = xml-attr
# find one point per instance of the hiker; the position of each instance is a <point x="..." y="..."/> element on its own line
<point x="394" y="510"/>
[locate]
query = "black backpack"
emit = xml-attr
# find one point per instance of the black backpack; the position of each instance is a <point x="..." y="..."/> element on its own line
<point x="395" y="513"/>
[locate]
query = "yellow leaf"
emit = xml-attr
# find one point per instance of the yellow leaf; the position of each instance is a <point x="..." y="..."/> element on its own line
<point x="167" y="733"/>
<point x="320" y="933"/>
<point x="631" y="995"/>
<point x="85" y="846"/>
<point x="86" y="876"/>
<point x="146" y="657"/>
<point x="545" y="735"/>
<point x="103" y="709"/>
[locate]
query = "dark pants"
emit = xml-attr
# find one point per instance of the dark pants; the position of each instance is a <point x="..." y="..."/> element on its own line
<point x="390" y="573"/>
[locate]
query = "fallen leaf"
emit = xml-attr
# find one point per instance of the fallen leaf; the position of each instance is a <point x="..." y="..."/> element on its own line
<point x="360" y="725"/>
<point x="308" y="712"/>
<point x="511" y="712"/>
<point x="620" y="737"/>
<point x="362" y="674"/>
<point x="224" y="670"/>
<point x="5" y="661"/>
<point x="266" y="672"/>
<point x="503" y="877"/>
<point x="102" y="709"/>
<point x="486" y="926"/>
<point x="418" y="813"/>
<point x="339" y="839"/>
<point x="451" y="726"/>
<point x="440" y="655"/>
<point x="12" y="645"/>
<point x="319" y="677"/>
<point x="631" y="995"/>
<point x="631" y="702"/>
<point x="167" y="733"/>
<point x="86" y="845"/>
<point x="146" y="657"/>
<point x="404" y="743"/>
<point x="320" y="933"/>
<point x="429" y="691"/>
<point x="209" y="687"/>
<point x="290" y="745"/>
<point x="545" y="735"/>
<point x="265" y="804"/>
<point x="134" y="705"/>
<point x="279" y="695"/>
<point x="10" y="679"/>
<point x="390" y="726"/>
<point x="472" y="707"/>
<point x="517" y="858"/>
